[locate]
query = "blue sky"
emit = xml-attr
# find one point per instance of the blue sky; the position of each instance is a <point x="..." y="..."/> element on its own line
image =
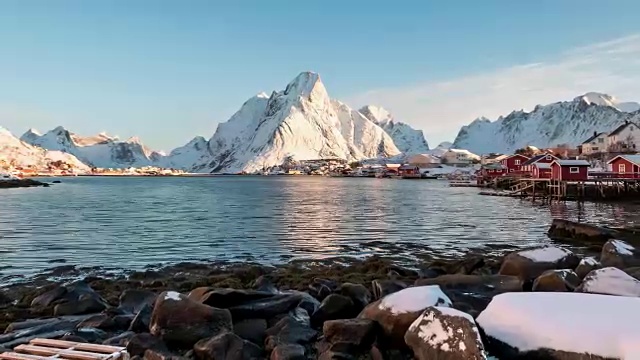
<point x="169" y="70"/>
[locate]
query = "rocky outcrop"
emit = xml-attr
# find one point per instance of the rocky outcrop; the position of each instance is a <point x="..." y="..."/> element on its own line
<point x="529" y="264"/>
<point x="565" y="230"/>
<point x="620" y="254"/>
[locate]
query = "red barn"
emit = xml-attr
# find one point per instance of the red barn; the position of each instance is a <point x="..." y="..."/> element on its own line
<point x="513" y="163"/>
<point x="541" y="170"/>
<point x="626" y="166"/>
<point x="528" y="166"/>
<point x="570" y="170"/>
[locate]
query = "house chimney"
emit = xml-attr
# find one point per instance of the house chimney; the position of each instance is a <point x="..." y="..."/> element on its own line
<point x="626" y="122"/>
<point x="595" y="133"/>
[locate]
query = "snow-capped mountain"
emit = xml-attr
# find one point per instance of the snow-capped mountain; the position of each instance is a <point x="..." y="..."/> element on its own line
<point x="407" y="139"/>
<point x="569" y="122"/>
<point x="442" y="148"/>
<point x="608" y="100"/>
<point x="194" y="152"/>
<point x="300" y="122"/>
<point x="17" y="153"/>
<point x="102" y="150"/>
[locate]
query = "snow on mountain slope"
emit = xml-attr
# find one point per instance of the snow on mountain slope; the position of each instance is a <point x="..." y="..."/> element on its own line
<point x="301" y="122"/>
<point x="406" y="138"/>
<point x="20" y="154"/>
<point x="607" y="100"/>
<point x="102" y="150"/>
<point x="569" y="122"/>
<point x="442" y="148"/>
<point x="195" y="151"/>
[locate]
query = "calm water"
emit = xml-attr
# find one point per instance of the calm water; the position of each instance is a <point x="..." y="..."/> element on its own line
<point x="132" y="222"/>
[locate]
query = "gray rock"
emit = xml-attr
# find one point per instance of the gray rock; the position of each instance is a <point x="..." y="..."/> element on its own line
<point x="226" y="346"/>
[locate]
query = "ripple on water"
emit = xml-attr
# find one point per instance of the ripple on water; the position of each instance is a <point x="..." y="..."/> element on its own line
<point x="132" y="222"/>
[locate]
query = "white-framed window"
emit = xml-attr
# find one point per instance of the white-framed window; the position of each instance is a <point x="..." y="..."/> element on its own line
<point x="622" y="168"/>
<point x="574" y="170"/>
<point x="595" y="148"/>
<point x="517" y="162"/>
<point x="490" y="170"/>
<point x="548" y="157"/>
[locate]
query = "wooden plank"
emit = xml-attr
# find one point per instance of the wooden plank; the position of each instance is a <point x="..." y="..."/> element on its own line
<point x="104" y="349"/>
<point x="67" y="354"/>
<point x="16" y="356"/>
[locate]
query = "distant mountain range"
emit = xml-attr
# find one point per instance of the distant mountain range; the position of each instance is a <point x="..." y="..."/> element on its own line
<point x="300" y="122"/>
<point x="567" y="122"/>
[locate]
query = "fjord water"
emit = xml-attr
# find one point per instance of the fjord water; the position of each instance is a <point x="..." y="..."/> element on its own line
<point x="128" y="223"/>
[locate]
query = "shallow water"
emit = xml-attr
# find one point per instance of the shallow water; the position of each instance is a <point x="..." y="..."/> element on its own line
<point x="132" y="222"/>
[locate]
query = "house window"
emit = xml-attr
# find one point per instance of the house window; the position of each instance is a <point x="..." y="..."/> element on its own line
<point x="510" y="170"/>
<point x="574" y="170"/>
<point x="517" y="162"/>
<point x="601" y="140"/>
<point x="595" y="148"/>
<point x="548" y="157"/>
<point x="621" y="168"/>
<point x="490" y="170"/>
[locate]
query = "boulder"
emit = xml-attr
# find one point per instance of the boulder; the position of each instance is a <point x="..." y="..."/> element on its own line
<point x="445" y="333"/>
<point x="382" y="288"/>
<point x="153" y="354"/>
<point x="99" y="321"/>
<point x="119" y="340"/>
<point x="49" y="297"/>
<point x="248" y="304"/>
<point x="358" y="293"/>
<point x="361" y="333"/>
<point x="134" y="300"/>
<point x="289" y="331"/>
<point x="227" y="346"/>
<point x="333" y="307"/>
<point x="263" y="284"/>
<point x="397" y="311"/>
<point x="78" y="306"/>
<point x="142" y="320"/>
<point x="610" y="281"/>
<point x="620" y="254"/>
<point x="586" y="266"/>
<point x="228" y="298"/>
<point x="321" y="288"/>
<point x="561" y="325"/>
<point x="288" y="352"/>
<point x="139" y="343"/>
<point x="529" y="264"/>
<point x="556" y="280"/>
<point x="181" y="321"/>
<point x="565" y="230"/>
<point x="254" y="330"/>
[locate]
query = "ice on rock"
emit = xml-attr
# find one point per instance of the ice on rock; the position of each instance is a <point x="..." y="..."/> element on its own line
<point x="622" y="248"/>
<point x="611" y="281"/>
<point x="546" y="254"/>
<point x="172" y="295"/>
<point x="414" y="299"/>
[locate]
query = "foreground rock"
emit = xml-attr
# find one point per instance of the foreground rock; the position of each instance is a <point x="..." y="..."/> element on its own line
<point x="568" y="326"/>
<point x="357" y="333"/>
<point x="620" y="254"/>
<point x="445" y="333"/>
<point x="565" y="230"/>
<point x="610" y="281"/>
<point x="557" y="280"/>
<point x="586" y="266"/>
<point x="181" y="321"/>
<point x="396" y="312"/>
<point x="529" y="264"/>
<point x="226" y="346"/>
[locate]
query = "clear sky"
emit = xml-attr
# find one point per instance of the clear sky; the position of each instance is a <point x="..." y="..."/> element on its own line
<point x="169" y="70"/>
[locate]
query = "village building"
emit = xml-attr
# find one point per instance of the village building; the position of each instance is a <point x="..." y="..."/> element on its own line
<point x="529" y="166"/>
<point x="493" y="170"/>
<point x="625" y="166"/>
<point x="541" y="170"/>
<point x="409" y="171"/>
<point x="459" y="157"/>
<point x="514" y="163"/>
<point x="424" y="161"/>
<point x="493" y="159"/>
<point x="597" y="143"/>
<point x="625" y="137"/>
<point x="570" y="170"/>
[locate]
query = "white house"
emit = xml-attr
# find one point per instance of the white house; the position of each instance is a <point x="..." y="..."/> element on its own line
<point x="624" y="137"/>
<point x="459" y="157"/>
<point x="595" y="144"/>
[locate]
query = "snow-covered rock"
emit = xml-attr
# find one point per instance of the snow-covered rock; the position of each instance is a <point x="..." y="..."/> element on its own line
<point x="610" y="281"/>
<point x="569" y="122"/>
<point x="16" y="153"/>
<point x="579" y="325"/>
<point x="529" y="264"/>
<point x="445" y="333"/>
<point x="620" y="254"/>
<point x="557" y="280"/>
<point x="396" y="312"/>
<point x="407" y="139"/>
<point x="586" y="266"/>
<point x="300" y="122"/>
<point x="102" y="150"/>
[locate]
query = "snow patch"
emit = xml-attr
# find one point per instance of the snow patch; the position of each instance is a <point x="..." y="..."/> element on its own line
<point x="546" y="254"/>
<point x="599" y="325"/>
<point x="611" y="281"/>
<point x="622" y="247"/>
<point x="414" y="299"/>
<point x="590" y="261"/>
<point x="172" y="295"/>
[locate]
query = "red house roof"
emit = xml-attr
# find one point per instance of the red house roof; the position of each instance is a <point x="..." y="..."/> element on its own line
<point x="635" y="159"/>
<point x="571" y="162"/>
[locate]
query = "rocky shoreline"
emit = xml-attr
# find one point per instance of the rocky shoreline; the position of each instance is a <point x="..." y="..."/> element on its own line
<point x="21" y="183"/>
<point x="339" y="309"/>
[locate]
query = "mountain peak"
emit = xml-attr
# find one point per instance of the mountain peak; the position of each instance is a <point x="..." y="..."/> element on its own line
<point x="307" y="85"/>
<point x="377" y="114"/>
<point x="596" y="98"/>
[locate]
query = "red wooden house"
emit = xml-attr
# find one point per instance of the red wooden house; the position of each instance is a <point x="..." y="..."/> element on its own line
<point x="513" y="163"/>
<point x="409" y="171"/>
<point x="493" y="170"/>
<point x="541" y="170"/>
<point x="626" y="166"/>
<point x="570" y="170"/>
<point x="529" y="165"/>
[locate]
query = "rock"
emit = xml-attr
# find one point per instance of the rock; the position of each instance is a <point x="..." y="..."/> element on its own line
<point x="254" y="330"/>
<point x="139" y="343"/>
<point x="333" y="307"/>
<point x="123" y="322"/>
<point x="620" y="254"/>
<point x="361" y="333"/>
<point x="529" y="264"/>
<point x="179" y="320"/>
<point x="49" y="297"/>
<point x="565" y="230"/>
<point x="153" y="354"/>
<point x="134" y="300"/>
<point x="248" y="304"/>
<point x="228" y="298"/>
<point x="586" y="266"/>
<point x="610" y="281"/>
<point x="263" y="284"/>
<point x="445" y="333"/>
<point x="120" y="340"/>
<point x="556" y="280"/>
<point x="396" y="312"/>
<point x="80" y="306"/>
<point x="382" y="288"/>
<point x="559" y="325"/>
<point x="307" y="302"/>
<point x="226" y="346"/>
<point x="634" y="272"/>
<point x="142" y="320"/>
<point x="288" y="331"/>
<point x="99" y="321"/>
<point x="92" y="335"/>
<point x="288" y="352"/>
<point x="359" y="294"/>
